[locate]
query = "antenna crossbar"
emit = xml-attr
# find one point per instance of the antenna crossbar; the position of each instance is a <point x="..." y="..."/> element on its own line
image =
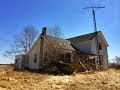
<point x="94" y="7"/>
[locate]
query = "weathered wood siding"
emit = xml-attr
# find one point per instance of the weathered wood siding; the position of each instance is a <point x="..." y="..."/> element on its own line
<point x="103" y="52"/>
<point x="35" y="50"/>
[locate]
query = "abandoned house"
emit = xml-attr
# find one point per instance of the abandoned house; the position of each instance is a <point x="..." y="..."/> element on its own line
<point x="48" y="49"/>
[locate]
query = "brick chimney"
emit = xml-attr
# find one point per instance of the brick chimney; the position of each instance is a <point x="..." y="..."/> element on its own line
<point x="42" y="42"/>
<point x="44" y="30"/>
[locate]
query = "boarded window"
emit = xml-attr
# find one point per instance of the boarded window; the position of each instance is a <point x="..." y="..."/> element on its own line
<point x="35" y="58"/>
<point x="100" y="46"/>
<point x="101" y="59"/>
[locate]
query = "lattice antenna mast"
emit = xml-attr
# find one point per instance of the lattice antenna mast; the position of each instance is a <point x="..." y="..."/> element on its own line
<point x="94" y="16"/>
<point x="95" y="30"/>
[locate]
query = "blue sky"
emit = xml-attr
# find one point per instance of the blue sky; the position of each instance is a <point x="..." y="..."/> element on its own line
<point x="15" y="14"/>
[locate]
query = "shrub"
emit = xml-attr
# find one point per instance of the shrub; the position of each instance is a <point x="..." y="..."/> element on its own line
<point x="115" y="65"/>
<point x="48" y="69"/>
<point x="58" y="68"/>
<point x="65" y="69"/>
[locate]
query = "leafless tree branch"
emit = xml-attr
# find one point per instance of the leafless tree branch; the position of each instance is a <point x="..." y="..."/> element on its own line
<point x="55" y="31"/>
<point x="22" y="42"/>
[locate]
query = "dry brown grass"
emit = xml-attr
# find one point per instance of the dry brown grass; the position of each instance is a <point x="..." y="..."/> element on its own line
<point x="14" y="80"/>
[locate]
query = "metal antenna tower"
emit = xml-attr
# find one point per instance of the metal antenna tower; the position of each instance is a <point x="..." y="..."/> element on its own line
<point x="95" y="30"/>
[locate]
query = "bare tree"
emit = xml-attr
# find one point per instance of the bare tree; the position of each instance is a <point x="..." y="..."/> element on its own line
<point x="12" y="51"/>
<point x="55" y="31"/>
<point x="117" y="60"/>
<point x="22" y="42"/>
<point x="26" y="38"/>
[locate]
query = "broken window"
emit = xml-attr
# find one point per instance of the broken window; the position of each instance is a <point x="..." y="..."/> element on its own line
<point x="61" y="57"/>
<point x="35" y="58"/>
<point x="68" y="57"/>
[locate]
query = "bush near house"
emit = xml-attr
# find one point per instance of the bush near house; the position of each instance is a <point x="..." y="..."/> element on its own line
<point x="115" y="66"/>
<point x="116" y="63"/>
<point x="62" y="68"/>
<point x="57" y="69"/>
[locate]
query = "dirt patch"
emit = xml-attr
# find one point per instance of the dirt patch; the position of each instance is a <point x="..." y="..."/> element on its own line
<point x="18" y="80"/>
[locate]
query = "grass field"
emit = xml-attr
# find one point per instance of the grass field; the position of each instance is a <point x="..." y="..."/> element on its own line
<point x="18" y="80"/>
